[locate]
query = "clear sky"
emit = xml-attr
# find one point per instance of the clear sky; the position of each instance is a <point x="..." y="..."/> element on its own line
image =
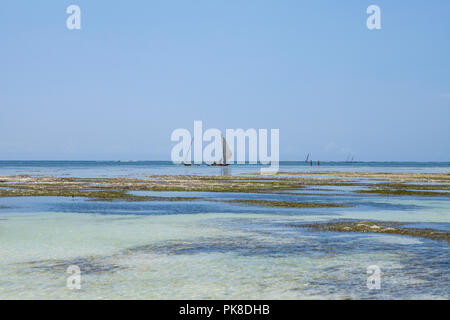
<point x="137" y="70"/>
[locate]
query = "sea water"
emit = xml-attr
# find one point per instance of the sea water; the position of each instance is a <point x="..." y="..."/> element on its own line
<point x="210" y="249"/>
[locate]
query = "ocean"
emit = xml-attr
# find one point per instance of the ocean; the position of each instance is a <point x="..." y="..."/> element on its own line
<point x="213" y="249"/>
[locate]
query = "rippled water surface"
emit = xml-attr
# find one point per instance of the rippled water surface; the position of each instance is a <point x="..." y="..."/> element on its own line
<point x="209" y="249"/>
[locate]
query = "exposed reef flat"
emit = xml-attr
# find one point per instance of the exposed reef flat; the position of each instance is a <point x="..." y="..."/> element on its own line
<point x="377" y="227"/>
<point x="405" y="192"/>
<point x="387" y="176"/>
<point x="108" y="189"/>
<point x="118" y="188"/>
<point x="286" y="204"/>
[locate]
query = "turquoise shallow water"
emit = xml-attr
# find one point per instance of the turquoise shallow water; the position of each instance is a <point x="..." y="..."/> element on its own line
<point x="208" y="249"/>
<point x="144" y="168"/>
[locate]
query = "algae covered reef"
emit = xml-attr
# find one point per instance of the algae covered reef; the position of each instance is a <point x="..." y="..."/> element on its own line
<point x="377" y="227"/>
<point x="285" y="190"/>
<point x="401" y="177"/>
<point x="286" y="204"/>
<point x="114" y="188"/>
<point x="109" y="189"/>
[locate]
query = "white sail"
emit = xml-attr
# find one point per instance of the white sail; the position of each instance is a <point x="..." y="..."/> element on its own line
<point x="188" y="153"/>
<point x="226" y="151"/>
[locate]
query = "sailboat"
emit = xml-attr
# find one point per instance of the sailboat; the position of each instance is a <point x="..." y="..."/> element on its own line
<point x="226" y="155"/>
<point x="186" y="163"/>
<point x="307" y="158"/>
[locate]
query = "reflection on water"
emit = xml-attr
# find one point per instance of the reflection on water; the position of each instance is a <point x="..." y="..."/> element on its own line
<point x="225" y="171"/>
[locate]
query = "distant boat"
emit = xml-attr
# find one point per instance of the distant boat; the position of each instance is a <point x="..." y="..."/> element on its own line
<point x="307" y="158"/>
<point x="350" y="158"/>
<point x="186" y="163"/>
<point x="226" y="155"/>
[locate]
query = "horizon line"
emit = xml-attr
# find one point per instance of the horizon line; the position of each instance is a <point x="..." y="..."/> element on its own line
<point x="302" y="161"/>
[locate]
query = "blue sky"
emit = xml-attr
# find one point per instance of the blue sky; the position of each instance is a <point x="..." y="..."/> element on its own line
<point x="137" y="70"/>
